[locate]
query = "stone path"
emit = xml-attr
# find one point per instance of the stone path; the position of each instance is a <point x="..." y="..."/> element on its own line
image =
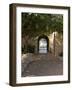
<point x="42" y="65"/>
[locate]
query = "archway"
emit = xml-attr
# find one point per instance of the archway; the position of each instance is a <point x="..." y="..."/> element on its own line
<point x="43" y="44"/>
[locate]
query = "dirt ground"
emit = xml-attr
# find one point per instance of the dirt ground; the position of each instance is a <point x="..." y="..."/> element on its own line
<point x="41" y="65"/>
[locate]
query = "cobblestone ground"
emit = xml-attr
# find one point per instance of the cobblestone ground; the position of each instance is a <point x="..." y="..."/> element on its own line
<point x="42" y="65"/>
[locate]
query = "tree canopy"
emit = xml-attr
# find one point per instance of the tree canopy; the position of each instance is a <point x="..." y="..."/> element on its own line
<point x="34" y="24"/>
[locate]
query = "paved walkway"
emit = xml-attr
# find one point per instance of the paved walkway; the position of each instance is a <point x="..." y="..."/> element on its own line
<point x="42" y="65"/>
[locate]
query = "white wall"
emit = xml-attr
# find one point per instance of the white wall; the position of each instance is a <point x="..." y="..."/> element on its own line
<point x="4" y="45"/>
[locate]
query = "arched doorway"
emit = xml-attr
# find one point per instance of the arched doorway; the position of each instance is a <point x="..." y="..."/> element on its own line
<point x="43" y="44"/>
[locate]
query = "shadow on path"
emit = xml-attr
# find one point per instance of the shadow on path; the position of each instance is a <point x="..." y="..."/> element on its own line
<point x="47" y="65"/>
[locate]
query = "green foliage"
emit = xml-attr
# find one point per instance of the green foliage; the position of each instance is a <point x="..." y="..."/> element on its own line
<point x="35" y="24"/>
<point x="28" y="49"/>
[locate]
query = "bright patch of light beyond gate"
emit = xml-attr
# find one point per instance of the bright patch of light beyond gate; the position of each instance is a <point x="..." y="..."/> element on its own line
<point x="43" y="46"/>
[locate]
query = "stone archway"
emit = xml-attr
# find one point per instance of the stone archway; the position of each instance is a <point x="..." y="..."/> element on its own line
<point x="43" y="44"/>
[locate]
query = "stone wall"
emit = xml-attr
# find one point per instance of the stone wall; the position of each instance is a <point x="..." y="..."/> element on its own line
<point x="55" y="43"/>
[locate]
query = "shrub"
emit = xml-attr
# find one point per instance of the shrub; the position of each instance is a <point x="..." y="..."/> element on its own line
<point x="28" y="49"/>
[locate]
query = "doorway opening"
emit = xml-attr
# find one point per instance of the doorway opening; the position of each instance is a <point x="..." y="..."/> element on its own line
<point x="43" y="44"/>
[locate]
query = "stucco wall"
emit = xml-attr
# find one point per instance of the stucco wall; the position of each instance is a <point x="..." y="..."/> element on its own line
<point x="55" y="43"/>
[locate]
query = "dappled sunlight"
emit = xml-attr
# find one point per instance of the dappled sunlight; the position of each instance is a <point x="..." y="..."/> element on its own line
<point x="47" y="64"/>
<point x="55" y="43"/>
<point x="25" y="56"/>
<point x="41" y="44"/>
<point x="58" y="42"/>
